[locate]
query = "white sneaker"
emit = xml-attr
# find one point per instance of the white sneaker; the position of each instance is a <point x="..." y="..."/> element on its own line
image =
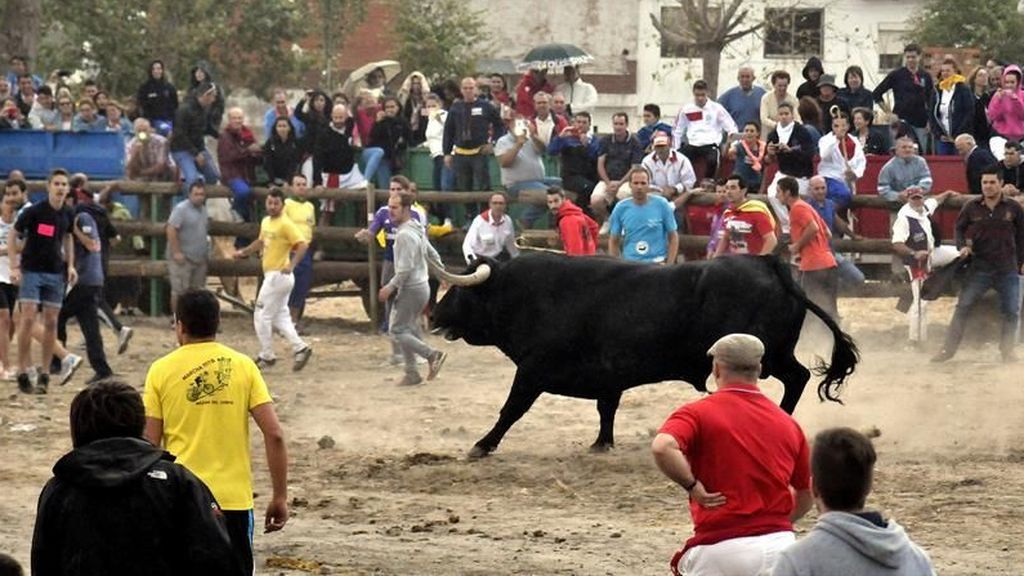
<point x="68" y="366"/>
<point x="123" y="338"/>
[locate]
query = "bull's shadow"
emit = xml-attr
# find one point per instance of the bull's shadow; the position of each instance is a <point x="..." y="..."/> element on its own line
<point x="594" y="327"/>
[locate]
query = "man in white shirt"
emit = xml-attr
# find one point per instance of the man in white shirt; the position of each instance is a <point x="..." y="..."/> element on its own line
<point x="842" y="161"/>
<point x="547" y="122"/>
<point x="671" y="172"/>
<point x="491" y="233"/>
<point x="580" y="96"/>
<point x="700" y="127"/>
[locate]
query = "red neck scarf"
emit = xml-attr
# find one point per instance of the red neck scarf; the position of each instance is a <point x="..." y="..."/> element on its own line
<point x="755" y="159"/>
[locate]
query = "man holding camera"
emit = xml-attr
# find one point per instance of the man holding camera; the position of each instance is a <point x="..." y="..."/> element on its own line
<point x="520" y="156"/>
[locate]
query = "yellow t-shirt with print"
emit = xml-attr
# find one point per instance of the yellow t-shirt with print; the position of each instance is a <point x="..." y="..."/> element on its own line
<point x="278" y="235"/>
<point x="203" y="393"/>
<point x="303" y="215"/>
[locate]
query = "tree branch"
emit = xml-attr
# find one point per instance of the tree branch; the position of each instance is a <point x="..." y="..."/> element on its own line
<point x="671" y="36"/>
<point x="737" y="35"/>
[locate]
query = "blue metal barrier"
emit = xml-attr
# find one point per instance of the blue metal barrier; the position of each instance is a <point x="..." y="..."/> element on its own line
<point x="36" y="153"/>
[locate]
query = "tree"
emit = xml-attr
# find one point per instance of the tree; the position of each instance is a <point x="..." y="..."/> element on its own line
<point x="19" y="28"/>
<point x="440" y="38"/>
<point x="337" y="18"/>
<point x="993" y="26"/>
<point x="706" y="29"/>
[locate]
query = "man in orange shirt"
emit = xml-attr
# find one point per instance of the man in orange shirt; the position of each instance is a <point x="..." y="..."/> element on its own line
<point x="809" y="246"/>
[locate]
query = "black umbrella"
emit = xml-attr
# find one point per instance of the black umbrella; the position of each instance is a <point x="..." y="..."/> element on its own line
<point x="554" y="56"/>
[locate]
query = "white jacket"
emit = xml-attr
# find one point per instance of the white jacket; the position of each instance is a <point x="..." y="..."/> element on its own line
<point x="702" y="126"/>
<point x="435" y="132"/>
<point x="676" y="171"/>
<point x="487" y="238"/>
<point x="833" y="165"/>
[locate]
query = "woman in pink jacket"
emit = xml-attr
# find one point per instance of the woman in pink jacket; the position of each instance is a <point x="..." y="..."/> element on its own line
<point x="1006" y="110"/>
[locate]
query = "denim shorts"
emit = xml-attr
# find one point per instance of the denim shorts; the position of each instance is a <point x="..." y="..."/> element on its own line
<point x="42" y="288"/>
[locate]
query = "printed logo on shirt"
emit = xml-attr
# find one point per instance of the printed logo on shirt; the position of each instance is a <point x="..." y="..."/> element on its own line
<point x="695" y="116"/>
<point x="476" y="111"/>
<point x="47" y="230"/>
<point x="642" y="247"/>
<point x="205" y="380"/>
<point x="157" y="474"/>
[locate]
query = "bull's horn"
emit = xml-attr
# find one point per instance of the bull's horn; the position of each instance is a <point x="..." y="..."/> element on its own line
<point x="479" y="276"/>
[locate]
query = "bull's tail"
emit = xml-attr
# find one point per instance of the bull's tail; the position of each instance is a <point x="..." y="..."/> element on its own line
<point x="845" y="355"/>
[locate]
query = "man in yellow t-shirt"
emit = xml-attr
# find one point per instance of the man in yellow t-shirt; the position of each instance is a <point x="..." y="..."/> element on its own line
<point x="300" y="211"/>
<point x="283" y="247"/>
<point x="198" y="400"/>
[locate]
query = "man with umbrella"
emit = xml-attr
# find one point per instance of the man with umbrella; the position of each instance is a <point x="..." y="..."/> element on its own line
<point x="531" y="83"/>
<point x="546" y="57"/>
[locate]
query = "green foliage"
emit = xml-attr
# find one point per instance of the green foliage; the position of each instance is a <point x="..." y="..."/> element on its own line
<point x="247" y="42"/>
<point x="440" y="38"/>
<point x="994" y="26"/>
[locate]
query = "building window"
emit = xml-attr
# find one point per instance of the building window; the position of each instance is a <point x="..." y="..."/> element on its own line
<point x="890" y="47"/>
<point x="793" y="32"/>
<point x="673" y="18"/>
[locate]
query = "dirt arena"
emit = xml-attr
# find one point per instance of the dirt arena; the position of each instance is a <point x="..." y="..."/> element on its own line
<point x="395" y="495"/>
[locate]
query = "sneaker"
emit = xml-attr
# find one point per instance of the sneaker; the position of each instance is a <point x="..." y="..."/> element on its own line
<point x="25" y="383"/>
<point x="942" y="356"/>
<point x="43" y="383"/>
<point x="435" y="361"/>
<point x="411" y="380"/>
<point x="301" y="357"/>
<point x="68" y="366"/>
<point x="264" y="363"/>
<point x="123" y="338"/>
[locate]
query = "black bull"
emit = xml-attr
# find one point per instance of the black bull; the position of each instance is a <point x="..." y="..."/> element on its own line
<point x="594" y="327"/>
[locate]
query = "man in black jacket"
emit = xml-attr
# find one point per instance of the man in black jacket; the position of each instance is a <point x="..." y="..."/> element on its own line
<point x="119" y="505"/>
<point x="158" y="98"/>
<point x="976" y="160"/>
<point x="188" y="144"/>
<point x="912" y="88"/>
<point x="466" y="143"/>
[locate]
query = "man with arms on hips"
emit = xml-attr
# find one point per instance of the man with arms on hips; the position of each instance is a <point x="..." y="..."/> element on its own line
<point x="41" y="234"/>
<point x="412" y="250"/>
<point x="848" y="538"/>
<point x="744" y="464"/>
<point x="283" y="248"/>
<point x="198" y="400"/>
<point x="747" y="225"/>
<point x="188" y="248"/>
<point x="492" y="233"/>
<point x="643" y="226"/>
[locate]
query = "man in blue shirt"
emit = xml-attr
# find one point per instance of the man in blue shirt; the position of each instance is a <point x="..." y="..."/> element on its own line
<point x="643" y="227"/>
<point x="652" y="124"/>
<point x="743" y="102"/>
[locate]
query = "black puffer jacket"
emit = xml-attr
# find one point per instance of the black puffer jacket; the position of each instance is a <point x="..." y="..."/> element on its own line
<point x="122" y="506"/>
<point x="190" y="127"/>
<point x="158" y="99"/>
<point x="217" y="108"/>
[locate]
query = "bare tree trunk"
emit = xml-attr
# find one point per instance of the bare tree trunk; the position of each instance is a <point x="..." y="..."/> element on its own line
<point x="20" y="30"/>
<point x="711" y="59"/>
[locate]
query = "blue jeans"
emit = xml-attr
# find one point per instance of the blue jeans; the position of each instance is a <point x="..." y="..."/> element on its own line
<point x="924" y="139"/>
<point x="242" y="201"/>
<point x="848" y="271"/>
<point x="303" y="282"/>
<point x="1007" y="285"/>
<point x="190" y="172"/>
<point x="944" y="148"/>
<point x="44" y="288"/>
<point x="371" y="159"/>
<point x="471" y="172"/>
<point x="443" y="181"/>
<point x="533" y="212"/>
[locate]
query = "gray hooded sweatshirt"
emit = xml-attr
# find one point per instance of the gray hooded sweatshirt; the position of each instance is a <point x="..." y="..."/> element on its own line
<point x="849" y="545"/>
<point x="411" y="253"/>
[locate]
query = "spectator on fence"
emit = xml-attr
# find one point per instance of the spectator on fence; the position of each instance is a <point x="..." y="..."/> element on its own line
<point x="771" y="101"/>
<point x="619" y="152"/>
<point x="87" y="120"/>
<point x="239" y="154"/>
<point x="577" y="151"/>
<point x="743" y="102"/>
<point x="442" y="177"/>
<point x="149" y="157"/>
<point x="976" y="160"/>
<point x="210" y="434"/>
<point x="492" y="233"/>
<point x="531" y="83"/>
<point x="747" y="225"/>
<point x="870" y="140"/>
<point x="499" y="90"/>
<point x="810" y="247"/>
<point x="700" y="129"/>
<point x="8" y="290"/>
<point x="11" y="117"/>
<point x="119" y="505"/>
<point x="841" y="161"/>
<point x="114" y="120"/>
<point x="41" y="235"/>
<point x="558" y="107"/>
<point x="817" y="197"/>
<point x="828" y="101"/>
<point x="89" y="90"/>
<point x="335" y="155"/>
<point x="748" y="154"/>
<point x="44" y="114"/>
<point x="546" y="123"/>
<point x="911" y="88"/>
<point x="366" y="112"/>
<point x="302" y="213"/>
<point x="282" y="152"/>
<point x="188" y="246"/>
<point x="855" y="94"/>
<point x="279" y="109"/>
<point x="951" y="108"/>
<point x="26" y="96"/>
<point x="198" y="77"/>
<point x="101" y="99"/>
<point x="790" y="144"/>
<point x="811" y="72"/>
<point x="579" y="96"/>
<point x="904" y="173"/>
<point x="520" y="157"/>
<point x="314" y="111"/>
<point x="652" y="125"/>
<point x="413" y="98"/>
<point x="671" y="172"/>
<point x="5" y="89"/>
<point x="577" y="231"/>
<point x="466" y="143"/>
<point x="188" y="141"/>
<point x="978" y="82"/>
<point x="391" y="133"/>
<point x="643" y="227"/>
<point x="744" y="464"/>
<point x="19" y="68"/>
<point x="811" y="115"/>
<point x="66" y="109"/>
<point x="158" y="98"/>
<point x="990" y="230"/>
<point x="1010" y="165"/>
<point x="1006" y="109"/>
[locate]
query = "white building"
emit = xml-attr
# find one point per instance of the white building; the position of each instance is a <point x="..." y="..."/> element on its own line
<point x="620" y="35"/>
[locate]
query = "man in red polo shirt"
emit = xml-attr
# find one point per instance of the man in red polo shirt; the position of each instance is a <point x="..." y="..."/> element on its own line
<point x="809" y="246"/>
<point x="748" y="227"/>
<point x="744" y="464"/>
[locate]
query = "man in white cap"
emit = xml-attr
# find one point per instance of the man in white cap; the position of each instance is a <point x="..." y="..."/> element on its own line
<point x="738" y="456"/>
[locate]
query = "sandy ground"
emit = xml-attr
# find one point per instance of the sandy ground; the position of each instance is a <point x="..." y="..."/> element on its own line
<point x="395" y="495"/>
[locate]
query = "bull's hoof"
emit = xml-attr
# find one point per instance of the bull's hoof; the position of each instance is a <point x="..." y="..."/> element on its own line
<point x="478" y="452"/>
<point x="601" y="447"/>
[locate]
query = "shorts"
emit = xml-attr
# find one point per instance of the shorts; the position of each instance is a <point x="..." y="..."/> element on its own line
<point x="46" y="288"/>
<point x="8" y="296"/>
<point x="186" y="275"/>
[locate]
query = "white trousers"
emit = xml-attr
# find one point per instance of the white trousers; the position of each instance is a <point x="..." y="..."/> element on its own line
<point x="272" y="312"/>
<point x="747" y="556"/>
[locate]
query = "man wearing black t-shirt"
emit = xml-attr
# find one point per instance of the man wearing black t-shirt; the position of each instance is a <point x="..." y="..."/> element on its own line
<point x="40" y="234"/>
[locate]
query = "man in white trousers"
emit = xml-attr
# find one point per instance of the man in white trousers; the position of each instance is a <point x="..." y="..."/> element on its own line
<point x="283" y="247"/>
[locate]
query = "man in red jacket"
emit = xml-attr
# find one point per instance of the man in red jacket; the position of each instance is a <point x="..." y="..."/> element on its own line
<point x="577" y="230"/>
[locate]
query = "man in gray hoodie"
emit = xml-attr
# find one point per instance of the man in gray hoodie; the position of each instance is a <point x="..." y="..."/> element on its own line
<point x="848" y="539"/>
<point x="410" y="283"/>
